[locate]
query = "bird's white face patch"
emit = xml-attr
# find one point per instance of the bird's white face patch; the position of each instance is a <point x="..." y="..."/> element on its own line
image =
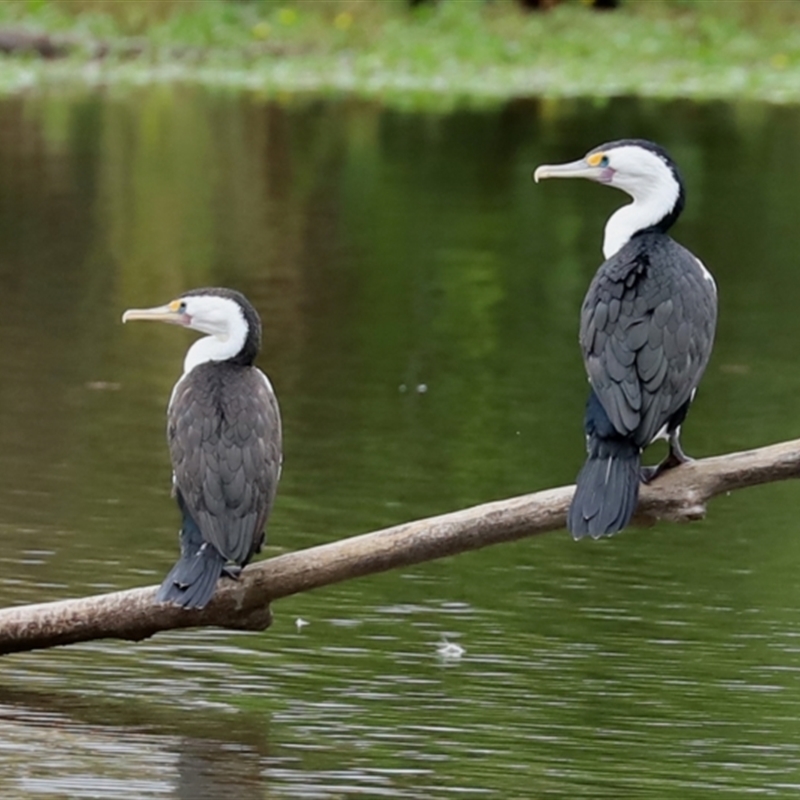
<point x="640" y="172"/>
<point x="647" y="178"/>
<point x="216" y="316"/>
<point x="222" y="319"/>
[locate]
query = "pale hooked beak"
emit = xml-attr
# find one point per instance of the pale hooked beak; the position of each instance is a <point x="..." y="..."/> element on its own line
<point x="169" y="313"/>
<point x="574" y="169"/>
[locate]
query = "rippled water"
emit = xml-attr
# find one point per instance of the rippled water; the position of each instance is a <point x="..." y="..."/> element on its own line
<point x="420" y="298"/>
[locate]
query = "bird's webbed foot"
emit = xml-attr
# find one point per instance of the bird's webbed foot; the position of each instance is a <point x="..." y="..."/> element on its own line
<point x="232" y="571"/>
<point x="674" y="458"/>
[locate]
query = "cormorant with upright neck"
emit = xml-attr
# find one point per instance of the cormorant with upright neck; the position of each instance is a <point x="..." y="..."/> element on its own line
<point x="224" y="434"/>
<point x="646" y="332"/>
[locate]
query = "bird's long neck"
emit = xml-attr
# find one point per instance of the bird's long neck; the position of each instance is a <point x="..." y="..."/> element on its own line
<point x="214" y="348"/>
<point x="654" y="206"/>
<point x="628" y="221"/>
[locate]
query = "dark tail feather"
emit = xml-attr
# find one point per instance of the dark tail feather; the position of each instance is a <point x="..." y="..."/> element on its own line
<point x="607" y="489"/>
<point x="191" y="582"/>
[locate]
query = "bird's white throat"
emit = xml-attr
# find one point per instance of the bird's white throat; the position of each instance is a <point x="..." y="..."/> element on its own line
<point x="631" y="219"/>
<point x="654" y="189"/>
<point x="227" y="334"/>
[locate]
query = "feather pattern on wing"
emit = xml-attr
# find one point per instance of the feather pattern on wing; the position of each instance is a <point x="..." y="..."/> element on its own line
<point x="647" y="326"/>
<point x="224" y="437"/>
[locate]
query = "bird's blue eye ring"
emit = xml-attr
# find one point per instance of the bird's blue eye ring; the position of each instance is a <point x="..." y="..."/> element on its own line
<point x="604" y="161"/>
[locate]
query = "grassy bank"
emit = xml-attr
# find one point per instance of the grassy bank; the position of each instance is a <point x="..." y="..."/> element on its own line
<point x="456" y="51"/>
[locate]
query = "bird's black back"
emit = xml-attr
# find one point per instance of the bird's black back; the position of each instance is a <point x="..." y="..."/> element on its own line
<point x="647" y="329"/>
<point x="224" y="435"/>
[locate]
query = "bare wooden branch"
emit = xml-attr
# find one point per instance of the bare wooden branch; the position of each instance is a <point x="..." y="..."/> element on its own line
<point x="678" y="495"/>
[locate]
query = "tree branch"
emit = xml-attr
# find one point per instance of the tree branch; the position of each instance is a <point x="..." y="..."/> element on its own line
<point x="678" y="495"/>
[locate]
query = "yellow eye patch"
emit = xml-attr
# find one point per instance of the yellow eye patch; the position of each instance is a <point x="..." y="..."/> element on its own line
<point x="594" y="159"/>
<point x="175" y="305"/>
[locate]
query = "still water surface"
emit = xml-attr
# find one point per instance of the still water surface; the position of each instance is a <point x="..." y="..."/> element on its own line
<point x="389" y="253"/>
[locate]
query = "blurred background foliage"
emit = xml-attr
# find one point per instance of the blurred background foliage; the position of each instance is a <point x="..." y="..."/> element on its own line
<point x="388" y="48"/>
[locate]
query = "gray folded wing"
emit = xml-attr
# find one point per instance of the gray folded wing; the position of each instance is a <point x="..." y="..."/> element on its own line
<point x="224" y="437"/>
<point x="647" y="329"/>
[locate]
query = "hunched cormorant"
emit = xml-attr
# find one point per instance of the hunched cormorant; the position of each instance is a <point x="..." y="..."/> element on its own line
<point x="646" y="332"/>
<point x="224" y="434"/>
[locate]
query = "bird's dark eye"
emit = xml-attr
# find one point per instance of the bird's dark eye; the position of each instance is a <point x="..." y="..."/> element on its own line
<point x="604" y="161"/>
<point x="182" y="307"/>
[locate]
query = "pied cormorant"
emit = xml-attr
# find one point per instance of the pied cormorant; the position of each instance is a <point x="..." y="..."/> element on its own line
<point x="224" y="434"/>
<point x="646" y="332"/>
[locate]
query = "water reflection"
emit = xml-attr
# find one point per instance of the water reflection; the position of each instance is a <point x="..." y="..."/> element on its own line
<point x="387" y="250"/>
<point x="55" y="746"/>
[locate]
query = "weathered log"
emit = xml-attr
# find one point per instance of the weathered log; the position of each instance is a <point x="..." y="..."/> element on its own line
<point x="678" y="495"/>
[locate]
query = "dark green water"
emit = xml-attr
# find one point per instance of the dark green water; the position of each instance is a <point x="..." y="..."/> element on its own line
<point x="386" y="251"/>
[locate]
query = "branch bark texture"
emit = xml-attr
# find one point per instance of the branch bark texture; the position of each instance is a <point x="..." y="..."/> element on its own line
<point x="678" y="495"/>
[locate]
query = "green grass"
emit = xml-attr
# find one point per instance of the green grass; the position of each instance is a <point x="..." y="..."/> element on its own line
<point x="455" y="51"/>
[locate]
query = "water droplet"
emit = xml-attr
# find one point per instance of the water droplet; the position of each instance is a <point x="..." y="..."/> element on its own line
<point x="450" y="651"/>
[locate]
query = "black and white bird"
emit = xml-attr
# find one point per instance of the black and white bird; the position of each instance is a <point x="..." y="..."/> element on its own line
<point x="224" y="434"/>
<point x="646" y="332"/>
